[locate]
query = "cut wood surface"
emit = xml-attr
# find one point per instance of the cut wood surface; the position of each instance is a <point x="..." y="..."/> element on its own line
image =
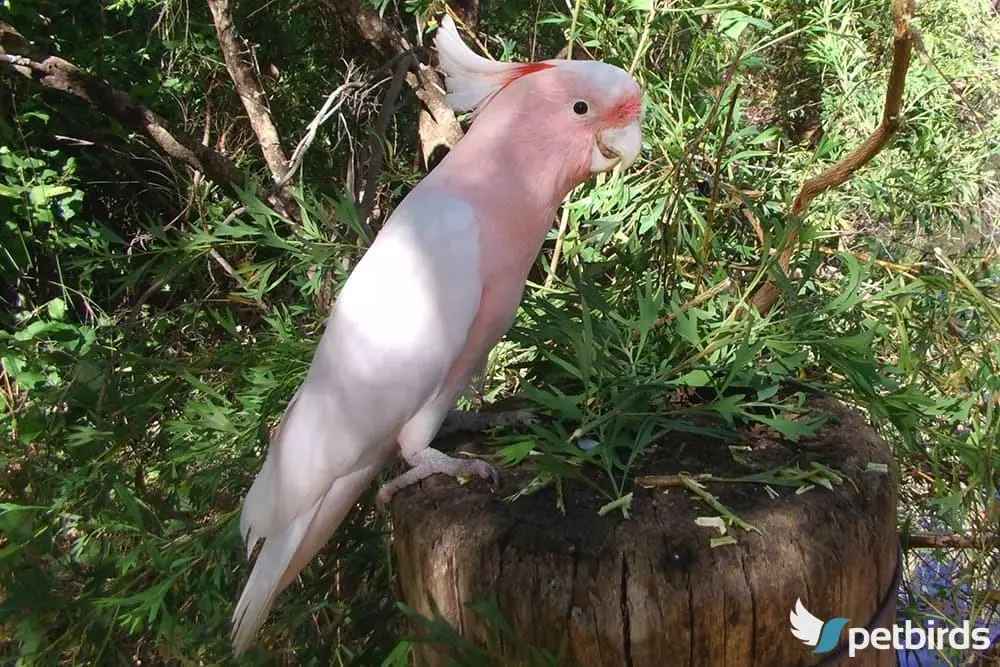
<point x="649" y="590"/>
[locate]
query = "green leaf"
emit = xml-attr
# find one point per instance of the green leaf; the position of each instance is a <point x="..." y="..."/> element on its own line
<point x="792" y="429"/>
<point x="687" y="326"/>
<point x="733" y="22"/>
<point x="40" y="195"/>
<point x="56" y="308"/>
<point x="848" y="296"/>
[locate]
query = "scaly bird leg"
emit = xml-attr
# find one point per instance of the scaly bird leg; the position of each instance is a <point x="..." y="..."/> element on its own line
<point x="477" y="422"/>
<point x="431" y="461"/>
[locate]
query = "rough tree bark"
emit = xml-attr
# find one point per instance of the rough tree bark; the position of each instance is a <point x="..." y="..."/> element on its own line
<point x="258" y="111"/>
<point x="249" y="89"/>
<point x="650" y="590"/>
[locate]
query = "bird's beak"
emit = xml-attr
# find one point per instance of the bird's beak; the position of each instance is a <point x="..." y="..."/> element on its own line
<point x="620" y="145"/>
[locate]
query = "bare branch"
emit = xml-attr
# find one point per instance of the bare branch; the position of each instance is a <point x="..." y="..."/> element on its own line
<point x="61" y="75"/>
<point x="378" y="141"/>
<point x="249" y="90"/>
<point x="937" y="541"/>
<point x="332" y="104"/>
<point x="839" y="173"/>
<point x="437" y="127"/>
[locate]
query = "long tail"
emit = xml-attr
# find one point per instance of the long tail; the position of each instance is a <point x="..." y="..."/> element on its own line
<point x="285" y="554"/>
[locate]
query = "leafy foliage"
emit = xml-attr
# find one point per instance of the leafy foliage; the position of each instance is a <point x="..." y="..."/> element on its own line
<point x="141" y="377"/>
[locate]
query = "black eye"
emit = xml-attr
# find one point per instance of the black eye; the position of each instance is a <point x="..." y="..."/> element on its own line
<point x="580" y="107"/>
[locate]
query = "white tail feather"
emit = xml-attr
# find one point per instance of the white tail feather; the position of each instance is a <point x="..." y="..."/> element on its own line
<point x="470" y="78"/>
<point x="262" y="587"/>
<point x="252" y="521"/>
<point x="257" y="519"/>
<point x="284" y="555"/>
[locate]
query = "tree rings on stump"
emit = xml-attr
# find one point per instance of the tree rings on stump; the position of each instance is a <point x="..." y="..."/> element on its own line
<point x="650" y="589"/>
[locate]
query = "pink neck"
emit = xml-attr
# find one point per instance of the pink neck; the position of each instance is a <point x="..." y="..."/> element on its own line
<point x="516" y="176"/>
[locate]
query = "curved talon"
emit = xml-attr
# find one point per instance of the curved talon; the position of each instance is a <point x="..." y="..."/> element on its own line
<point x="429" y="462"/>
<point x="524" y="417"/>
<point x="488" y="472"/>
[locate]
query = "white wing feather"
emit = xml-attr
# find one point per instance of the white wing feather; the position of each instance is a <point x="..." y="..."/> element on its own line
<point x="396" y="329"/>
<point x="805" y="626"/>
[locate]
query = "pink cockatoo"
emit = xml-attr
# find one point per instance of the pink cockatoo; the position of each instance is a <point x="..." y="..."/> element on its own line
<point x="428" y="301"/>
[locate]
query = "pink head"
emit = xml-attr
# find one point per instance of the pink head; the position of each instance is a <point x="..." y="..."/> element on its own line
<point x="576" y="117"/>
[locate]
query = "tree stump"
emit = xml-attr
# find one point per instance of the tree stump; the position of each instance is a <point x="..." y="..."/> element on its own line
<point x="650" y="590"/>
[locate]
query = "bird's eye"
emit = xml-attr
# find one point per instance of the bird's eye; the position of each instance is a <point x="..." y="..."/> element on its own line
<point x="580" y="107"/>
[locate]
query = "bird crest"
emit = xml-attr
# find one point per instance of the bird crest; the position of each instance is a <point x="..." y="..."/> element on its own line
<point x="471" y="79"/>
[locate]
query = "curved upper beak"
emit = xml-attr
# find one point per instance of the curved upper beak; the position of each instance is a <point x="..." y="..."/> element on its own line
<point x="623" y="143"/>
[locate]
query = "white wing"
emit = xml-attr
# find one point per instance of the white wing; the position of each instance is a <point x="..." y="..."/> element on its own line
<point x="805" y="626"/>
<point x="396" y="329"/>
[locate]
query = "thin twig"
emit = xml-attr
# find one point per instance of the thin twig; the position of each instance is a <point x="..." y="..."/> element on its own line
<point x="557" y="250"/>
<point x="575" y="8"/>
<point x="839" y="173"/>
<point x="437" y="126"/>
<point x="378" y="144"/>
<point x="333" y="102"/>
<point x="938" y="541"/>
<point x="708" y="294"/>
<point x="157" y="284"/>
<point x="470" y="31"/>
<point x="9" y="391"/>
<point x="640" y="50"/>
<point x="752" y="219"/>
<point x="913" y="270"/>
<point x="227" y="267"/>
<point x="237" y="212"/>
<point x="717" y="175"/>
<point x="677" y="174"/>
<point x="564" y="218"/>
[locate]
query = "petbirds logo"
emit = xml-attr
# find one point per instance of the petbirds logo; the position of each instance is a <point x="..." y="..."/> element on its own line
<point x="824" y="636"/>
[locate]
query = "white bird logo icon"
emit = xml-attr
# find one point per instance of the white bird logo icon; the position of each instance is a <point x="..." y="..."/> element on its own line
<point x="805" y="626"/>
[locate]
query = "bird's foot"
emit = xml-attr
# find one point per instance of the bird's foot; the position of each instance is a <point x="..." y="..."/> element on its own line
<point x="431" y="461"/>
<point x="477" y="422"/>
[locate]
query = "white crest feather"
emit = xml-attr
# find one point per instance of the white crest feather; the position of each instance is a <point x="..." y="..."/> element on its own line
<point x="805" y="626"/>
<point x="471" y="79"/>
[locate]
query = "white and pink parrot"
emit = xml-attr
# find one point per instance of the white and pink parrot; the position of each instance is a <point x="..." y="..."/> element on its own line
<point x="428" y="301"/>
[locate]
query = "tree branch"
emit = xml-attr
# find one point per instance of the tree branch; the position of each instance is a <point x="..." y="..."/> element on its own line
<point x="61" y="75"/>
<point x="250" y="92"/>
<point x="936" y="541"/>
<point x="840" y="172"/>
<point x="332" y="104"/>
<point x="438" y="129"/>
<point x="378" y="148"/>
